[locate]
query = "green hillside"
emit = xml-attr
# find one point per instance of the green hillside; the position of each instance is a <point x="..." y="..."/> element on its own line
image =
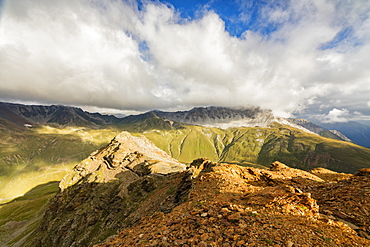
<point x="261" y="146"/>
<point x="39" y="155"/>
<point x="23" y="215"/>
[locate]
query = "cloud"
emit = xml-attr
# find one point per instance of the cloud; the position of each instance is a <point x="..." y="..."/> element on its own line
<point x="113" y="54"/>
<point x="336" y="115"/>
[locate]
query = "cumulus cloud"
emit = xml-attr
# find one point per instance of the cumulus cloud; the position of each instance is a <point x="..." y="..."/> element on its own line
<point x="336" y="115"/>
<point x="113" y="54"/>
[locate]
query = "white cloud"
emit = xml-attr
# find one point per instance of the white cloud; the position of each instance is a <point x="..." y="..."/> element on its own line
<point x="112" y="55"/>
<point x="336" y="115"/>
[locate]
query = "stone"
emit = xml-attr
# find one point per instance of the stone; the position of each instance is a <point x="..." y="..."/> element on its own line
<point x="278" y="166"/>
<point x="235" y="217"/>
<point x="363" y="172"/>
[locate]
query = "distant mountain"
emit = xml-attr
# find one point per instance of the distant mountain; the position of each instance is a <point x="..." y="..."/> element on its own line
<point x="147" y="121"/>
<point x="55" y="114"/>
<point x="222" y="117"/>
<point x="357" y="132"/>
<point x="334" y="134"/>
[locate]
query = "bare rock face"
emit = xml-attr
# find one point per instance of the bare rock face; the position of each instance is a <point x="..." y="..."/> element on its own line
<point x="111" y="189"/>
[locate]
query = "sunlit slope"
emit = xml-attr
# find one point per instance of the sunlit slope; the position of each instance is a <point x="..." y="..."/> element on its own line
<point x="261" y="146"/>
<point x="40" y="155"/>
<point x="20" y="217"/>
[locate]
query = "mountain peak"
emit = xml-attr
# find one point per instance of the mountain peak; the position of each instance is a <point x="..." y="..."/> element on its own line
<point x="124" y="153"/>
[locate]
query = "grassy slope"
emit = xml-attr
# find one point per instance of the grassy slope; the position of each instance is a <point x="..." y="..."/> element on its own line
<point x="20" y="217"/>
<point x="43" y="154"/>
<point x="261" y="146"/>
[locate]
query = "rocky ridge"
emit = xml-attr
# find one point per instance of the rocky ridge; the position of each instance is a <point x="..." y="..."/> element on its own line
<point x="134" y="188"/>
<point x="230" y="205"/>
<point x="314" y="128"/>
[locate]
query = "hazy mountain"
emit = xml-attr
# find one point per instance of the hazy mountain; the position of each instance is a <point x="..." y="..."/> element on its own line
<point x="55" y="114"/>
<point x="357" y="132"/>
<point x="224" y="117"/>
<point x="318" y="129"/>
<point x="147" y="121"/>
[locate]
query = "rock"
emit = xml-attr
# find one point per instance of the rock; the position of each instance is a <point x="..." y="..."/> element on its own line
<point x="289" y="244"/>
<point x="235" y="217"/>
<point x="278" y="166"/>
<point x="363" y="172"/>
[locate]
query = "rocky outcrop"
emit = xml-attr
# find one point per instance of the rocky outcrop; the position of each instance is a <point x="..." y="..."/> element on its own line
<point x="111" y="189"/>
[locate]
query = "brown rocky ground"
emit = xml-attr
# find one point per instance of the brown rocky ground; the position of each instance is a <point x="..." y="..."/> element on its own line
<point x="229" y="205"/>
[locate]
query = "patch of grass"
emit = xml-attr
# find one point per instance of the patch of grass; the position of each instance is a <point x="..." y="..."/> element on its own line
<point x="268" y="241"/>
<point x="325" y="239"/>
<point x="302" y="207"/>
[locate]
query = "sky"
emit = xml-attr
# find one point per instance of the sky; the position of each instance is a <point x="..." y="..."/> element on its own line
<point x="306" y="58"/>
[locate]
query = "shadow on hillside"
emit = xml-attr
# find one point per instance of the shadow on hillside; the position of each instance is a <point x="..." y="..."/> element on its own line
<point x="87" y="213"/>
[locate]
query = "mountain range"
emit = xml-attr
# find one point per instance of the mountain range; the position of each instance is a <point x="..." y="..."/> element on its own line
<point x="53" y="193"/>
<point x="222" y="117"/>
<point x="55" y="114"/>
